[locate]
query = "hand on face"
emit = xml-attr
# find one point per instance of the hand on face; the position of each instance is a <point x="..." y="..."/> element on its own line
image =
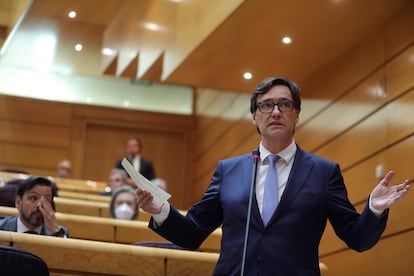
<point x="35" y="208"/>
<point x="49" y="218"/>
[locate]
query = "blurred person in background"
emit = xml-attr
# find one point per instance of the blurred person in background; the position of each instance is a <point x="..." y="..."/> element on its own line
<point x="117" y="179"/>
<point x="64" y="169"/>
<point x="124" y="204"/>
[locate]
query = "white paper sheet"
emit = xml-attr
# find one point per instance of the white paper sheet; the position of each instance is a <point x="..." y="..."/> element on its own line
<point x="160" y="196"/>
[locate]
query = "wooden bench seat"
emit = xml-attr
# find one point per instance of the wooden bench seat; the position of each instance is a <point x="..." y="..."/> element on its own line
<point x="63" y="184"/>
<point x="127" y="232"/>
<point x="81" y="257"/>
<point x="81" y="207"/>
<point x="84" y="196"/>
<point x="89" y="208"/>
<point x="114" y="230"/>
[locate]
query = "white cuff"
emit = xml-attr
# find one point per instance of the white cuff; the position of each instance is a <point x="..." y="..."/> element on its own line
<point x="163" y="215"/>
<point x="377" y="213"/>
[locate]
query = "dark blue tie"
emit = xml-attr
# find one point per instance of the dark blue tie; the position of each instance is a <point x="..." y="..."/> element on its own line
<point x="271" y="190"/>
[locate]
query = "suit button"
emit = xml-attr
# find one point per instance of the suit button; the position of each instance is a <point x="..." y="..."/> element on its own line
<point x="257" y="261"/>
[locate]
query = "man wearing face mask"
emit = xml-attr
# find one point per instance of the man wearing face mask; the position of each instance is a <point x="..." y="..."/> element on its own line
<point x="124" y="204"/>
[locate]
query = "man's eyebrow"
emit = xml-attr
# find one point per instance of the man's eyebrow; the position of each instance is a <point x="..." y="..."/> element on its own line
<point x="36" y="193"/>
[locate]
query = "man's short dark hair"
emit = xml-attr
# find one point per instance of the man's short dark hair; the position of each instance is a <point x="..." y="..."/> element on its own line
<point x="32" y="181"/>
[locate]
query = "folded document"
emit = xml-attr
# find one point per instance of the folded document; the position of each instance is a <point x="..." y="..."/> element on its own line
<point x="160" y="196"/>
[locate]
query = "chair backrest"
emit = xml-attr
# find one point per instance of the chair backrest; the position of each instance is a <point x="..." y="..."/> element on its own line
<point x="8" y="192"/>
<point x="15" y="261"/>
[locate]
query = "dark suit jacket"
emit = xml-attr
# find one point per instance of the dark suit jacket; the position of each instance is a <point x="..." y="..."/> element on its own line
<point x="10" y="224"/>
<point x="288" y="245"/>
<point x="146" y="167"/>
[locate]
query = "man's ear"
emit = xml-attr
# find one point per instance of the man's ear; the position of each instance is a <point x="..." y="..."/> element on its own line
<point x="254" y="119"/>
<point x="17" y="201"/>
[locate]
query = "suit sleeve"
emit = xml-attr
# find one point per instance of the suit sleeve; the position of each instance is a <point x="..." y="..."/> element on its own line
<point x="202" y="218"/>
<point x="359" y="231"/>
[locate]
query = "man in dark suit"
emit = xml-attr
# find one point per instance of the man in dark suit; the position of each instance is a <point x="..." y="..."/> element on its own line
<point x="34" y="202"/>
<point x="310" y="191"/>
<point x="133" y="150"/>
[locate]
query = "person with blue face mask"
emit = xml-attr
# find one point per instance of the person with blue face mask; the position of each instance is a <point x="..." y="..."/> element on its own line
<point x="124" y="204"/>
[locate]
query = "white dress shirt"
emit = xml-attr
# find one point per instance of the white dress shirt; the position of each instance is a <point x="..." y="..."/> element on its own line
<point x="283" y="167"/>
<point x="21" y="228"/>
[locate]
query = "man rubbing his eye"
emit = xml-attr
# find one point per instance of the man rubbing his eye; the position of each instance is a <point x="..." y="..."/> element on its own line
<point x="36" y="214"/>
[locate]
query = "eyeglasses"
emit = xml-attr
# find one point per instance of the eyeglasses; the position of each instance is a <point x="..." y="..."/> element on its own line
<point x="284" y="106"/>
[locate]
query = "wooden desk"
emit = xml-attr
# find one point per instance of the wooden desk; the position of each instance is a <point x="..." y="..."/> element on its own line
<point x="84" y="196"/>
<point x="80" y="257"/>
<point x="119" y="231"/>
<point x="114" y="230"/>
<point x="81" y="207"/>
<point x="64" y="184"/>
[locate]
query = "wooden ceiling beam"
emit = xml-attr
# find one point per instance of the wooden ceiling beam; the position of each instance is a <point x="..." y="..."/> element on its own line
<point x="110" y="69"/>
<point x="131" y="70"/>
<point x="154" y="72"/>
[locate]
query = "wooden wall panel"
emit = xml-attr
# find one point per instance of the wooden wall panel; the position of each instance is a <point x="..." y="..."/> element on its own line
<point x="223" y="129"/>
<point x="34" y="159"/>
<point x="400" y="117"/>
<point x="375" y="133"/>
<point x="115" y="115"/>
<point x="30" y="110"/>
<point x="392" y="256"/>
<point x="400" y="73"/>
<point x="104" y="145"/>
<point x="342" y="114"/>
<point x="340" y="76"/>
<point x="384" y="135"/>
<point x="35" y="134"/>
<point x="398" y="32"/>
<point x="360" y="179"/>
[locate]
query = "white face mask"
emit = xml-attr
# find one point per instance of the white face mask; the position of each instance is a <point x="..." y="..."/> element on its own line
<point x="123" y="211"/>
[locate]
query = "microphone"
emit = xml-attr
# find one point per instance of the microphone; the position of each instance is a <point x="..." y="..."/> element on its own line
<point x="256" y="157"/>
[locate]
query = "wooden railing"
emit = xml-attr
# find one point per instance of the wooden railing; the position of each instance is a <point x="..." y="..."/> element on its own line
<point x="82" y="257"/>
<point x="114" y="230"/>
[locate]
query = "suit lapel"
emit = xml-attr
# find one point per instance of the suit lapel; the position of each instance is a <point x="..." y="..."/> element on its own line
<point x="301" y="168"/>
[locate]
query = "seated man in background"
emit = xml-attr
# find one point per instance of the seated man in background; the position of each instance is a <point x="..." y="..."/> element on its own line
<point x="34" y="202"/>
<point x="64" y="169"/>
<point x="124" y="204"/>
<point x="117" y="179"/>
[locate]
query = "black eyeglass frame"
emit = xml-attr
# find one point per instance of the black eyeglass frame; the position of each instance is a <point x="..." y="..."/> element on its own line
<point x="283" y="109"/>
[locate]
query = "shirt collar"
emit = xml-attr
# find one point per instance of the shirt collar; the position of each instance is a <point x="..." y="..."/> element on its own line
<point x="21" y="228"/>
<point x="286" y="154"/>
